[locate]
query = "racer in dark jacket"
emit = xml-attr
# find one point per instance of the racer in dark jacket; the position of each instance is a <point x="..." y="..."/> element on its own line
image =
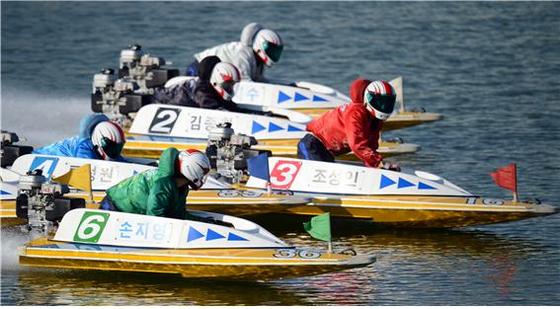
<point x="163" y="191"/>
<point x="354" y="126"/>
<point x="99" y="138"/>
<point x="213" y="89"/>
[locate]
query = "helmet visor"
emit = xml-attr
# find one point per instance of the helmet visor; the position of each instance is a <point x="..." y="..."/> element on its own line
<point x="197" y="183"/>
<point x="273" y="51"/>
<point x="110" y="148"/>
<point x="382" y="103"/>
<point x="228" y="86"/>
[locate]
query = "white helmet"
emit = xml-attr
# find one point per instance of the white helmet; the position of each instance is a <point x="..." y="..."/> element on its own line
<point x="379" y="99"/>
<point x="268" y="46"/>
<point x="194" y="165"/>
<point x="223" y="77"/>
<point x="109" y="138"/>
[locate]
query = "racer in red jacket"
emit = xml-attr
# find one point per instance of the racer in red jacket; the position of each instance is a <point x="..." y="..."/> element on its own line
<point x="354" y="126"/>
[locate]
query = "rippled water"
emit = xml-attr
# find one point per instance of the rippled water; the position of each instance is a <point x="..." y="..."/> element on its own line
<point x="490" y="68"/>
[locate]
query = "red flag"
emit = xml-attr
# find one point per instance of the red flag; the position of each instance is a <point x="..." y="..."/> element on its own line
<point x="506" y="177"/>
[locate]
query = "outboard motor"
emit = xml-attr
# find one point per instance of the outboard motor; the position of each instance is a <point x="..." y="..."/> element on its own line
<point x="145" y="69"/>
<point x="10" y="152"/>
<point x="228" y="152"/>
<point x="116" y="97"/>
<point x="42" y="202"/>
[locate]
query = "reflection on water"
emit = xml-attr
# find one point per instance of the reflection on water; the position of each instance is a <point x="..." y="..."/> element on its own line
<point x="413" y="267"/>
<point x="115" y="288"/>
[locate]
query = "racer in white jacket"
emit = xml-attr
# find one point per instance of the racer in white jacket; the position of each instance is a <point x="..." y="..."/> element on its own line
<point x="258" y="47"/>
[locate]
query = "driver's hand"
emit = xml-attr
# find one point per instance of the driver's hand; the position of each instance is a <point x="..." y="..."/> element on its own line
<point x="391" y="166"/>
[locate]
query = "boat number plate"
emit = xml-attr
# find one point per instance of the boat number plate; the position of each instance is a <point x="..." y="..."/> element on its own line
<point x="164" y="120"/>
<point x="291" y="253"/>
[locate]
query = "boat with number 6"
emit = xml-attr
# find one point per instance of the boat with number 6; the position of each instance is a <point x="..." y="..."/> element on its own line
<point x="227" y="248"/>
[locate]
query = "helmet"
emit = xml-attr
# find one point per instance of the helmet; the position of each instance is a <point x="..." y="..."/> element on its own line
<point x="268" y="46"/>
<point x="194" y="166"/>
<point x="224" y="76"/>
<point x="379" y="99"/>
<point x="109" y="138"/>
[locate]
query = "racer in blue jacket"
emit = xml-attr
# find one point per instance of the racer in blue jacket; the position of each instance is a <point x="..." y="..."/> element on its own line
<point x="99" y="138"/>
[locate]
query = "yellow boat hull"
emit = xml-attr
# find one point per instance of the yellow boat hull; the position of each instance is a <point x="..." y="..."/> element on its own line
<point x="397" y="121"/>
<point x="397" y="211"/>
<point x="279" y="148"/>
<point x="230" y="264"/>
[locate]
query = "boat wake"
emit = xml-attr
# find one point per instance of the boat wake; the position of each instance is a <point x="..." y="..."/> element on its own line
<point x="11" y="239"/>
<point x="48" y="117"/>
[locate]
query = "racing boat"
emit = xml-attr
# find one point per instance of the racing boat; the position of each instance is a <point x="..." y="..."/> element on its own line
<point x="105" y="174"/>
<point x="414" y="199"/>
<point x="303" y="188"/>
<point x="231" y="248"/>
<point x="159" y="126"/>
<point x="313" y="100"/>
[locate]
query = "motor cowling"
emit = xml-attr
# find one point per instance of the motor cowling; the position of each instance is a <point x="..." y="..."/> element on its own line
<point x="145" y="69"/>
<point x="9" y="151"/>
<point x="117" y="97"/>
<point x="228" y="152"/>
<point x="42" y="203"/>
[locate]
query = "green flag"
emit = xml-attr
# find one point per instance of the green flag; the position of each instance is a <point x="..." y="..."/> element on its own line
<point x="319" y="227"/>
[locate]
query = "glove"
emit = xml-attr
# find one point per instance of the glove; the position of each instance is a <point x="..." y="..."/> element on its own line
<point x="391" y="166"/>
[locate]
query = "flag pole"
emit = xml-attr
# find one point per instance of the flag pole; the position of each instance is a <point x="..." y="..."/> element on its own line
<point x="515" y="195"/>
<point x="90" y="188"/>
<point x="268" y="188"/>
<point x="330" y="246"/>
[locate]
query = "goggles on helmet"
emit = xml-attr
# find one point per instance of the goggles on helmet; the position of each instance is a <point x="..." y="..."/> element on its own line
<point x="228" y="86"/>
<point x="272" y="50"/>
<point x="110" y="148"/>
<point x="382" y="103"/>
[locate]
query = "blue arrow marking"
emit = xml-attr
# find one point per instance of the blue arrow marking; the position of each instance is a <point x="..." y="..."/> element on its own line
<point x="385" y="182"/>
<point x="234" y="237"/>
<point x="300" y="97"/>
<point x="274" y="127"/>
<point x="293" y="129"/>
<point x="318" y="99"/>
<point x="213" y="235"/>
<point x="193" y="234"/>
<point x="403" y="183"/>
<point x="2" y="192"/>
<point x="283" y="97"/>
<point x="423" y="186"/>
<point x="257" y="127"/>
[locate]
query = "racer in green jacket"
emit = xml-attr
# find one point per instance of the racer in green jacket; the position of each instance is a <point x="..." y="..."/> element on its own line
<point x="163" y="191"/>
